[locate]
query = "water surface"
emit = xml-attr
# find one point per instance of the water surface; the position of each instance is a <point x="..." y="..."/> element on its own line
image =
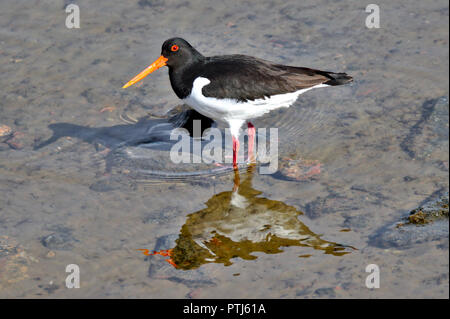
<point x="76" y="179"/>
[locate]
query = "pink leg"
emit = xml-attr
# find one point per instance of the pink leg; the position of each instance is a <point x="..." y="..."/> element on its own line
<point x="235" y="152"/>
<point x="251" y="141"/>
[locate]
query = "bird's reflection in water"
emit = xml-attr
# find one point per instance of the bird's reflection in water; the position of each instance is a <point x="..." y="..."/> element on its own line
<point x="238" y="223"/>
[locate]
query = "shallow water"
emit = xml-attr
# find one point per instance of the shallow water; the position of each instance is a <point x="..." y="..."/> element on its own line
<point x="82" y="182"/>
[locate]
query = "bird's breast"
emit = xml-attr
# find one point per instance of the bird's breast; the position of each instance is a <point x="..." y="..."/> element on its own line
<point x="221" y="109"/>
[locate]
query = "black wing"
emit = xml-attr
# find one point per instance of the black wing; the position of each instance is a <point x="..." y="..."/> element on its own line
<point x="247" y="78"/>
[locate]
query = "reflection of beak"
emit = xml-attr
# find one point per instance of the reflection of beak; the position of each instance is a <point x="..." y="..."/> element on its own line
<point x="160" y="62"/>
<point x="237" y="181"/>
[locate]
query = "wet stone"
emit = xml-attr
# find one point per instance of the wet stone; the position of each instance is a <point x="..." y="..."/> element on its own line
<point x="6" y="133"/>
<point x="299" y="169"/>
<point x="426" y="223"/>
<point x="60" y="239"/>
<point x="430" y="211"/>
<point x="5" y="130"/>
<point x="428" y="137"/>
<point x="89" y="96"/>
<point x="50" y="288"/>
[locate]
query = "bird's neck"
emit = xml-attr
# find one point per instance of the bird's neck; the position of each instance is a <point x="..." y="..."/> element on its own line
<point x="182" y="78"/>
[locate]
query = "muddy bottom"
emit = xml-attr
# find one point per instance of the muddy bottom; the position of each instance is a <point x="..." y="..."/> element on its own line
<point x="86" y="176"/>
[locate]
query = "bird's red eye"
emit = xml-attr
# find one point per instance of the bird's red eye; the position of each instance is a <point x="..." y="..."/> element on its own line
<point x="174" y="48"/>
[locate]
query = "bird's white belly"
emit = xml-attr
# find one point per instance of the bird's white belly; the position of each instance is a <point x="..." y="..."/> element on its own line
<point x="233" y="112"/>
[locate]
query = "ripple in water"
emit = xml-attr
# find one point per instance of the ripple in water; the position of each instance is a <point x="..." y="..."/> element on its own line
<point x="147" y="155"/>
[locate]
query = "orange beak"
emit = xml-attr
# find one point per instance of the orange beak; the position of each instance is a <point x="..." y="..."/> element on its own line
<point x="160" y="62"/>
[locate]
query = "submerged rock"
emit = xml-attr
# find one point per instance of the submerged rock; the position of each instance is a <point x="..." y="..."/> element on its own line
<point x="159" y="268"/>
<point x="5" y="130"/>
<point x="15" y="262"/>
<point x="428" y="137"/>
<point x="299" y="169"/>
<point x="60" y="239"/>
<point x="6" y="133"/>
<point x="430" y="211"/>
<point x="426" y="223"/>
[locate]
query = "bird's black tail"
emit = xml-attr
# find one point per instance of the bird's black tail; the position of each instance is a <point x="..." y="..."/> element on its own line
<point x="338" y="78"/>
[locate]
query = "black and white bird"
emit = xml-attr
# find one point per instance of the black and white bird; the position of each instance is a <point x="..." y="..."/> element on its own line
<point x="234" y="89"/>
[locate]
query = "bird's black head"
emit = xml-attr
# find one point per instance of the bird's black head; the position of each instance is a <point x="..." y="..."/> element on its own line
<point x="175" y="53"/>
<point x="179" y="52"/>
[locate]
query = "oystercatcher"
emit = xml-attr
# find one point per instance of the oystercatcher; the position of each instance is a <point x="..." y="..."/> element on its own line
<point x="234" y="89"/>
